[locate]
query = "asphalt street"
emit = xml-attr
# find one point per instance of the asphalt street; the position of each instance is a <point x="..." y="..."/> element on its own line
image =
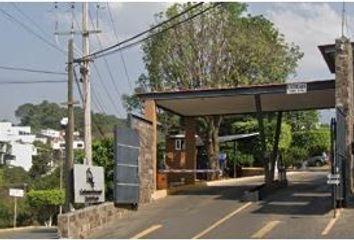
<point x="38" y="233"/>
<point x="302" y="210"/>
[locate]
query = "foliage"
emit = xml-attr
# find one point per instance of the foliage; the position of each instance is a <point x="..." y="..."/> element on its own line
<point x="45" y="203"/>
<point x="294" y="156"/>
<point x="103" y="155"/>
<point x="314" y="141"/>
<point x="241" y="158"/>
<point x="14" y="177"/>
<point x="47" y="182"/>
<point x="223" y="47"/>
<point x="48" y="115"/>
<point x="302" y="120"/>
<point x="5" y="215"/>
<point x="41" y="162"/>
<point x="284" y="139"/>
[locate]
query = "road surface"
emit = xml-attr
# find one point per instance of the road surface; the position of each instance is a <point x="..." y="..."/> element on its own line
<point x="303" y="210"/>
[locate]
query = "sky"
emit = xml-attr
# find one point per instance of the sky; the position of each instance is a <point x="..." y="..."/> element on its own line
<point x="306" y="24"/>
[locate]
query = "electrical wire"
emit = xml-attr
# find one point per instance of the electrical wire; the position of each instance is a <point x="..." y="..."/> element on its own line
<point x="121" y="53"/>
<point x="24" y="26"/>
<point x="94" y="54"/>
<point x="31" y="70"/>
<point x="31" y="82"/>
<point x="106" y="62"/>
<point x="100" y="80"/>
<point x="82" y="100"/>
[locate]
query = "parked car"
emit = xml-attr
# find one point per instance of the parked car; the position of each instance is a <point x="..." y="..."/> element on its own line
<point x="317" y="161"/>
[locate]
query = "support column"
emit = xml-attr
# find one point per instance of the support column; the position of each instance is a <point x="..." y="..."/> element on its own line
<point x="190" y="145"/>
<point x="344" y="97"/>
<point x="151" y="115"/>
<point x="265" y="159"/>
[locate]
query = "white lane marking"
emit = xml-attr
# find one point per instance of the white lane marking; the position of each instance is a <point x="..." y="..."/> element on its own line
<point x="265" y="230"/>
<point x="217" y="223"/>
<point x="147" y="231"/>
<point x="331" y="223"/>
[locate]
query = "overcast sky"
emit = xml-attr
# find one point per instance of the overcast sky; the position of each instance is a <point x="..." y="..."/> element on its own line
<point x="306" y="24"/>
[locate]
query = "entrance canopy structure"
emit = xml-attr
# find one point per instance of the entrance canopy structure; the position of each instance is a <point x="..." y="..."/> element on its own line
<point x="243" y="100"/>
<point x="239" y="100"/>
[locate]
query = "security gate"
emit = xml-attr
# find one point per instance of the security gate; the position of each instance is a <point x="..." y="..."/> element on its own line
<point x="126" y="168"/>
<point x="338" y="157"/>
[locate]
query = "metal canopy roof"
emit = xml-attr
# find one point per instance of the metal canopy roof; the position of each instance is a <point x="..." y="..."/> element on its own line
<point x="241" y="100"/>
<point x="329" y="53"/>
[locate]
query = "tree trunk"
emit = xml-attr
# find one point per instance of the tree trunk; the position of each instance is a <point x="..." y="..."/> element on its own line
<point x="213" y="125"/>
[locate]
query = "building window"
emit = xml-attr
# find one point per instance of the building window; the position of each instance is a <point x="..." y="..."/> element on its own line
<point x="179" y="144"/>
<point x="79" y="145"/>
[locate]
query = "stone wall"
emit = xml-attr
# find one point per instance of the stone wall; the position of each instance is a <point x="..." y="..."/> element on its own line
<point x="147" y="165"/>
<point x="344" y="97"/>
<point x="83" y="222"/>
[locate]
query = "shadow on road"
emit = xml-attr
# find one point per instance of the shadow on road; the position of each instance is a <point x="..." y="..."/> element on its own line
<point x="299" y="198"/>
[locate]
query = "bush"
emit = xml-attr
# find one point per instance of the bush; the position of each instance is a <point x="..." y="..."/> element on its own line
<point x="294" y="156"/>
<point x="241" y="159"/>
<point x="314" y="141"/>
<point x="45" y="203"/>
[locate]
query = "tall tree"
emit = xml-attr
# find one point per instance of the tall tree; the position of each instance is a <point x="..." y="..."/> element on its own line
<point x="222" y="47"/>
<point x="48" y="115"/>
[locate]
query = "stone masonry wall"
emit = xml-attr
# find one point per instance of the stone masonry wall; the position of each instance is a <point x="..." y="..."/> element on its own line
<point x="81" y="223"/>
<point x="147" y="166"/>
<point x="344" y="97"/>
<point x="84" y="222"/>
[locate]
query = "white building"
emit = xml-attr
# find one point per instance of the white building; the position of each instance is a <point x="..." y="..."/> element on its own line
<point x="56" y="139"/>
<point x="16" y="145"/>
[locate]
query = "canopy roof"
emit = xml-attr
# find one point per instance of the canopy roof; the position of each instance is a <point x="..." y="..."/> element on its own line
<point x="242" y="100"/>
<point x="329" y="54"/>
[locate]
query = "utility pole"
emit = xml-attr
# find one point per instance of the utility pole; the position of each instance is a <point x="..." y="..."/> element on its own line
<point x="85" y="71"/>
<point x="85" y="76"/>
<point x="69" y="131"/>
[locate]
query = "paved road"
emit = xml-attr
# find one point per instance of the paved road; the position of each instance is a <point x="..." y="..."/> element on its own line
<point x="303" y="210"/>
<point x="40" y="233"/>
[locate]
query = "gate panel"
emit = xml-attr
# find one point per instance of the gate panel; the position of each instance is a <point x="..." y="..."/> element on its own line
<point x="126" y="168"/>
<point x="340" y="153"/>
<point x="338" y="130"/>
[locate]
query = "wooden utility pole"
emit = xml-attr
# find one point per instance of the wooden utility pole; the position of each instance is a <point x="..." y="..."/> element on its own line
<point x="69" y="138"/>
<point x="85" y="73"/>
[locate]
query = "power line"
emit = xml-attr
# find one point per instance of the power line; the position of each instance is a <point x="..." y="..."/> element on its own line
<point x="31" y="70"/>
<point x="30" y="19"/>
<point x="154" y="34"/>
<point x="82" y="99"/>
<point x="24" y="26"/>
<point x="31" y="82"/>
<point x="100" y="79"/>
<point x="121" y="53"/>
<point x="106" y="62"/>
<point x="94" y="54"/>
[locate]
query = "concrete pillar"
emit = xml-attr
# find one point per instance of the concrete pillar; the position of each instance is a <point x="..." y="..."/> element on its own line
<point x="344" y="97"/>
<point x="191" y="151"/>
<point x="151" y="115"/>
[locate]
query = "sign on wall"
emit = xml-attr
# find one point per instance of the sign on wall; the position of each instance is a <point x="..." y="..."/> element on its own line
<point x="88" y="184"/>
<point x="296" y="88"/>
<point x="16" y="192"/>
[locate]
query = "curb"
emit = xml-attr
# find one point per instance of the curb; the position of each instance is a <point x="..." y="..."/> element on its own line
<point x="4" y="230"/>
<point x="160" y="194"/>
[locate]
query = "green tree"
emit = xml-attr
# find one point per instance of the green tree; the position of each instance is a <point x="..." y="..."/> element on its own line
<point x="48" y="115"/>
<point x="221" y="48"/>
<point x="41" y="162"/>
<point x="45" y="203"/>
<point x="103" y="155"/>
